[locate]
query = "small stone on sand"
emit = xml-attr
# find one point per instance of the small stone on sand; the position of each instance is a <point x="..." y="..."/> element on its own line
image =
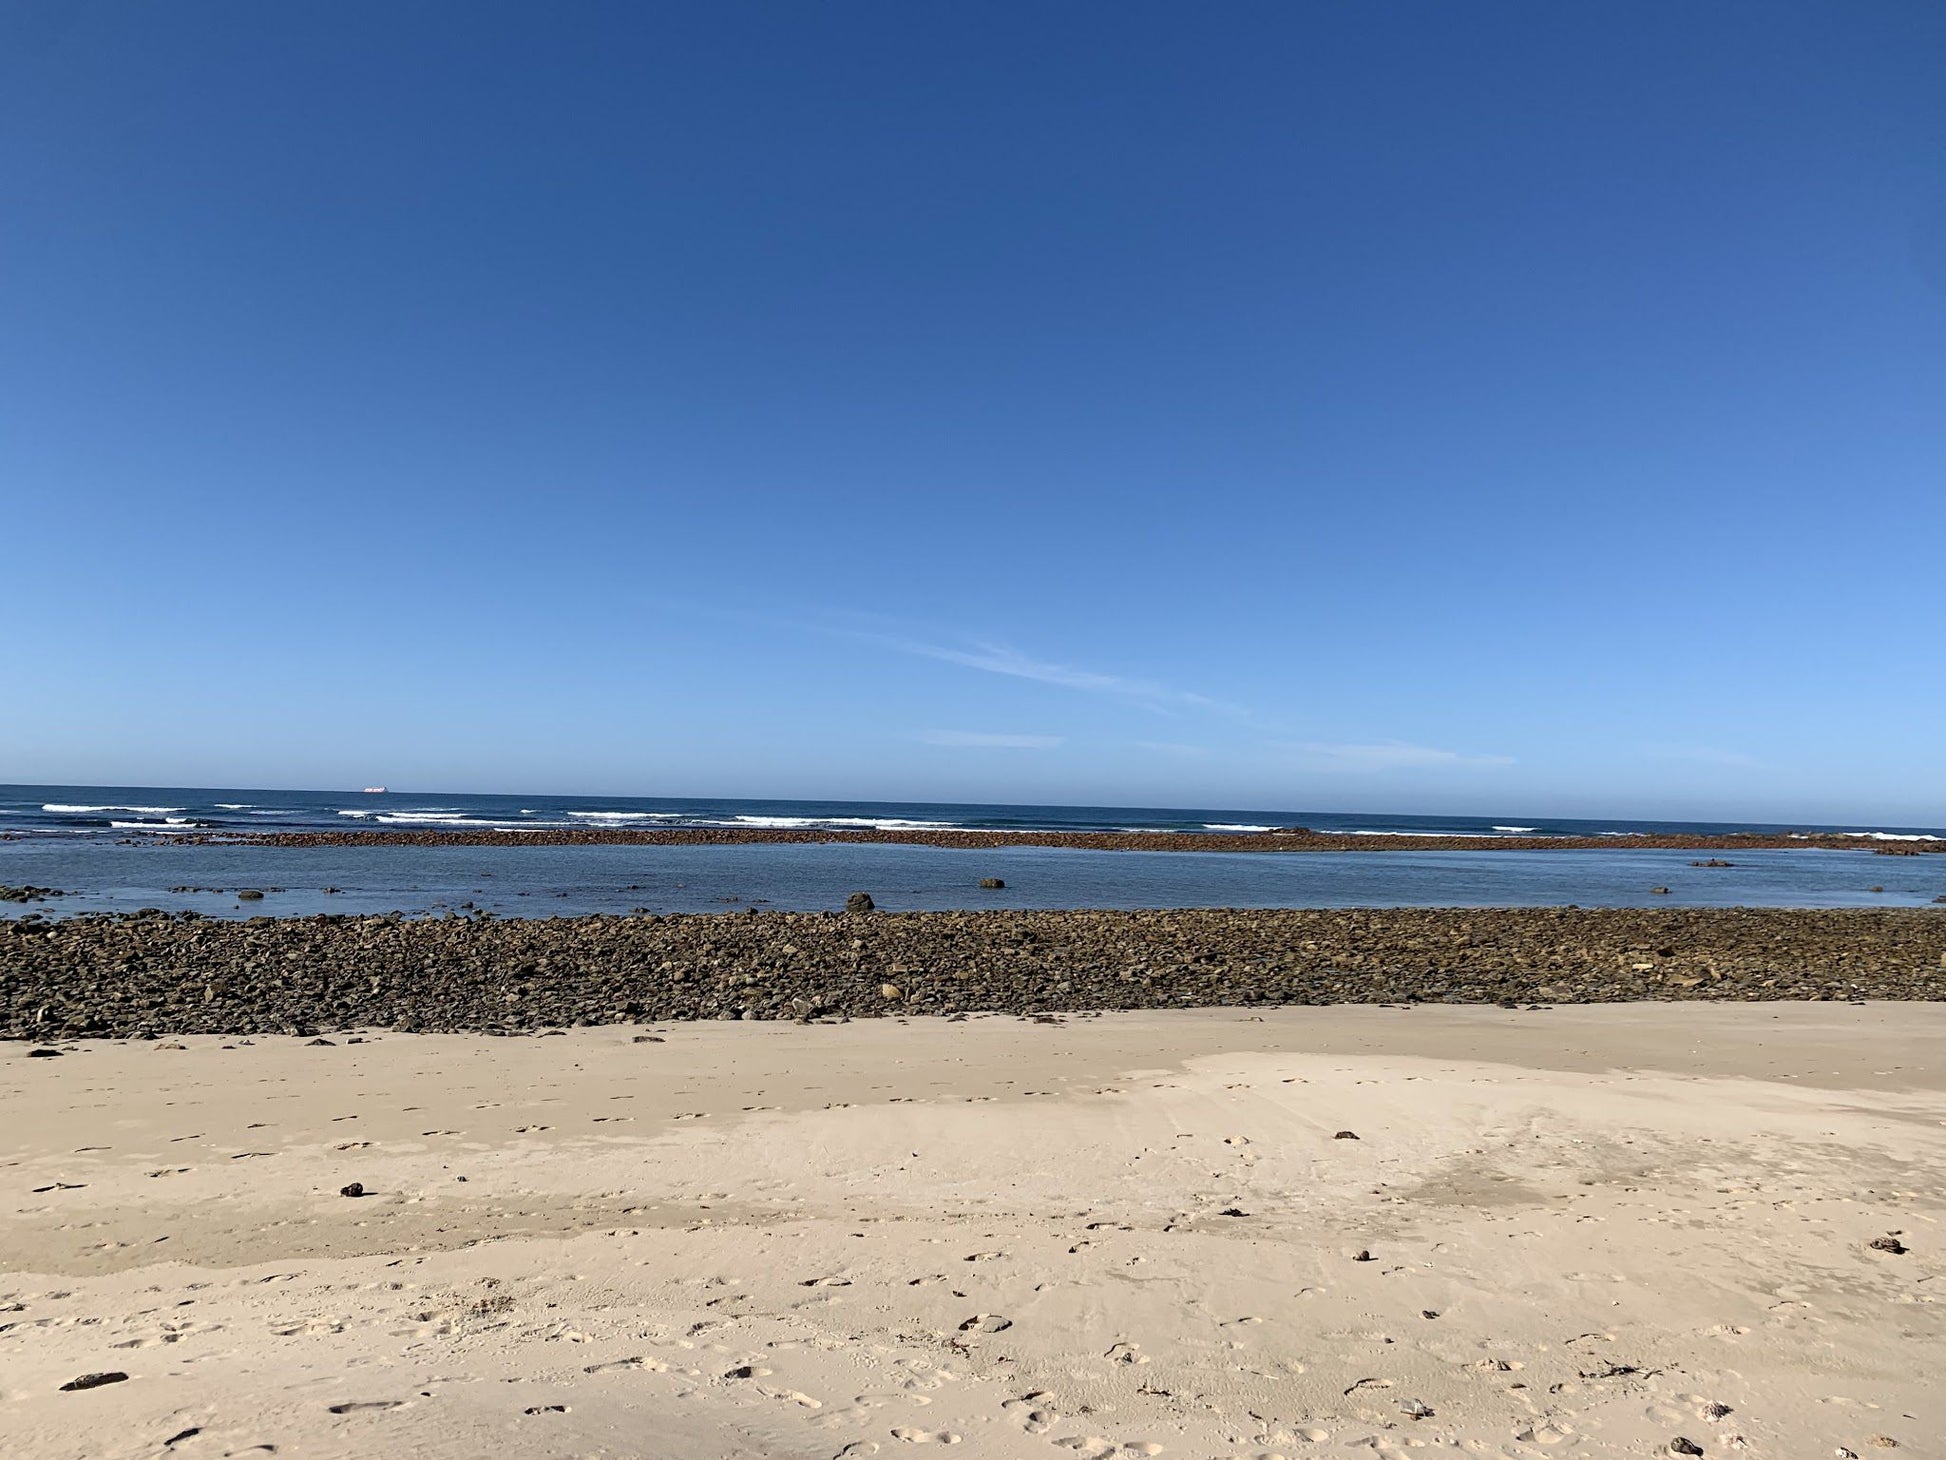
<point x="94" y="1381"/>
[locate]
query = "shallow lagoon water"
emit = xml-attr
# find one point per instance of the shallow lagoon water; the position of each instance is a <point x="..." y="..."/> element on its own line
<point x="550" y="881"/>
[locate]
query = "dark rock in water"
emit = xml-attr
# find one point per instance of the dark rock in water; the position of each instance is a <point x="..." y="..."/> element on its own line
<point x="1346" y="1135"/>
<point x="1889" y="1244"/>
<point x="1660" y="891"/>
<point x="860" y="902"/>
<point x="993" y="884"/>
<point x="94" y="1381"/>
<point x="249" y="894"/>
<point x="27" y="893"/>
<point x="355" y="1188"/>
<point x="43" y="1054"/>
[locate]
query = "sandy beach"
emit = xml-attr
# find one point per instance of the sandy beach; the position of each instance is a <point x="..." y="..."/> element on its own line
<point x="1593" y="1230"/>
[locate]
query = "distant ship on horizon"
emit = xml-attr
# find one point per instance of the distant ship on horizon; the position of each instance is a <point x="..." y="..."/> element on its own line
<point x="375" y="790"/>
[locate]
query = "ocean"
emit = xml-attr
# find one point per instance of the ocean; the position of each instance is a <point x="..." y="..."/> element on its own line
<point x="118" y="849"/>
<point x="117" y="812"/>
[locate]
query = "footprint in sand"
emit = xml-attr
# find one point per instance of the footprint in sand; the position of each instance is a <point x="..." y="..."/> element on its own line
<point x="1032" y="1413"/>
<point x="925" y="1437"/>
<point x="986" y="1323"/>
<point x="1547" y="1434"/>
<point x="654" y="1366"/>
<point x="358" y="1406"/>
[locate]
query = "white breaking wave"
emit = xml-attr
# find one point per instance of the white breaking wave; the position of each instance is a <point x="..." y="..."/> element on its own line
<point x="448" y="818"/>
<point x="622" y="815"/>
<point x="174" y="823"/>
<point x="874" y="823"/>
<point x="1516" y="828"/>
<point x="1234" y="826"/>
<point x="235" y="805"/>
<point x="1894" y="836"/>
<point x="147" y="810"/>
<point x="424" y="813"/>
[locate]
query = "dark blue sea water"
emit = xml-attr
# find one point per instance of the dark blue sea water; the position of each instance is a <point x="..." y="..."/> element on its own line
<point x="115" y="812"/>
<point x="144" y="864"/>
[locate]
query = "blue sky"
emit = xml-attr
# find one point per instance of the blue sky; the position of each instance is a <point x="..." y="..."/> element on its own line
<point x="1495" y="407"/>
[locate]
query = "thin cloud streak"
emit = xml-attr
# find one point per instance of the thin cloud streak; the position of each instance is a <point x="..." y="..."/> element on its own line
<point x="1702" y="755"/>
<point x="1389" y="755"/>
<point x="1171" y="747"/>
<point x="992" y="658"/>
<point x="983" y="740"/>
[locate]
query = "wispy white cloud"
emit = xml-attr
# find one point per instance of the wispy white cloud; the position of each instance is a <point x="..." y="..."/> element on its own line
<point x="1701" y="755"/>
<point x="1171" y="747"/>
<point x="994" y="658"/>
<point x="982" y="740"/>
<point x="1388" y="755"/>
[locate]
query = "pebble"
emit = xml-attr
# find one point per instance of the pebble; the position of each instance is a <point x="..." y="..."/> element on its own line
<point x="1346" y="1135"/>
<point x="94" y="1381"/>
<point x="355" y="1188"/>
<point x="1889" y="1244"/>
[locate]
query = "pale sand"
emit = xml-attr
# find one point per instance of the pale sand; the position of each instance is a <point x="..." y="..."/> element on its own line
<point x="769" y="1240"/>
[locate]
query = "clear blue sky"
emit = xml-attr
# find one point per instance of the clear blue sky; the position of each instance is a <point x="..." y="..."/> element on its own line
<point x="1504" y="407"/>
